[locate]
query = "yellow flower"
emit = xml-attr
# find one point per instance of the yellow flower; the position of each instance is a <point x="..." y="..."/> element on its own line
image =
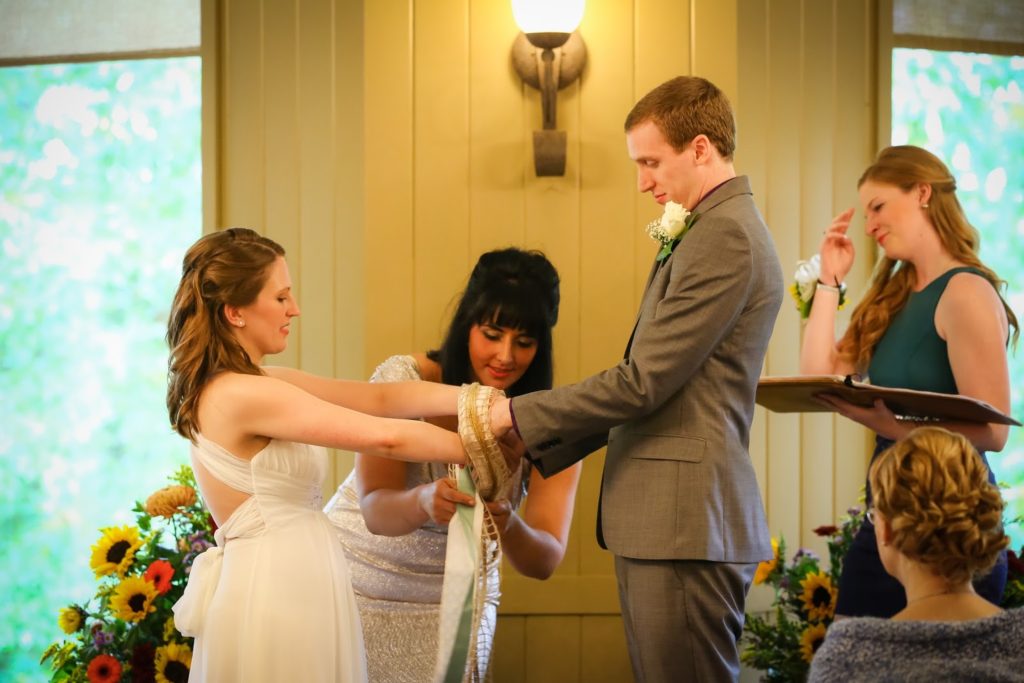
<point x="71" y="619"/>
<point x="810" y="640"/>
<point x="115" y="551"/>
<point x="169" y="499"/>
<point x="765" y="568"/>
<point x="819" y="596"/>
<point x="170" y="630"/>
<point x="173" y="662"/>
<point x="133" y="599"/>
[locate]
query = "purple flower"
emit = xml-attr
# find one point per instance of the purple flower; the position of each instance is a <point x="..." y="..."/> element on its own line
<point x="101" y="638"/>
<point x="853" y="511"/>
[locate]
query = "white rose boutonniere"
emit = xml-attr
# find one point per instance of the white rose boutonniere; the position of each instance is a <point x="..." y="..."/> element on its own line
<point x="673" y="225"/>
<point x="806" y="281"/>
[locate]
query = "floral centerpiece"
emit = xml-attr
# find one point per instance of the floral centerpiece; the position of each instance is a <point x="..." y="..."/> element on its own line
<point x="783" y="642"/>
<point x="126" y="631"/>
<point x="668" y="230"/>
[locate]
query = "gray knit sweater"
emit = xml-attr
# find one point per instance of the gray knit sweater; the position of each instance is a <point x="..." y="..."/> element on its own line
<point x="876" y="650"/>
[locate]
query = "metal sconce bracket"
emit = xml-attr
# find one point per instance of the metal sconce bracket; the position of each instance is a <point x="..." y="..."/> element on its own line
<point x="549" y="62"/>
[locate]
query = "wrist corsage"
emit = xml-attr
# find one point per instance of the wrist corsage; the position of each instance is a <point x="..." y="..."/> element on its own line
<point x="673" y="225"/>
<point x="808" y="280"/>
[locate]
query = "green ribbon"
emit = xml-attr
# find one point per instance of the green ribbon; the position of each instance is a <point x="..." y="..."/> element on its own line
<point x="460" y="649"/>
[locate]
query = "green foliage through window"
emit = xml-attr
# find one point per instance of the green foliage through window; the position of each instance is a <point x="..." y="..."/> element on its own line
<point x="100" y="195"/>
<point x="969" y="110"/>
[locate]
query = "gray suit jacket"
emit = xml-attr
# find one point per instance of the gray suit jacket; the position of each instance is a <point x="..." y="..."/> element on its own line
<point x="676" y="412"/>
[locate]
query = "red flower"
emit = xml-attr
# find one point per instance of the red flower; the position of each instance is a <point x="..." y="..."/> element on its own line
<point x="159" y="574"/>
<point x="1014" y="563"/>
<point x="143" y="665"/>
<point x="826" y="530"/>
<point x="104" y="669"/>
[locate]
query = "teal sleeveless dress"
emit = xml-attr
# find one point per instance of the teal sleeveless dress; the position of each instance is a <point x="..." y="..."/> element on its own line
<point x="910" y="355"/>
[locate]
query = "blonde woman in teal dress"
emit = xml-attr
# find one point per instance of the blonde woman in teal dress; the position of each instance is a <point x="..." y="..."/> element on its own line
<point x="392" y="518"/>
<point x="933" y="319"/>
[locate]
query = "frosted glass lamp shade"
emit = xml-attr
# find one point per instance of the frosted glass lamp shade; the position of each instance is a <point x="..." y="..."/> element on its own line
<point x="548" y="16"/>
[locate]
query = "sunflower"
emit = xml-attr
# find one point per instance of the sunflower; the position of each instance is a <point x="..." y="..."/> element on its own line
<point x="765" y="569"/>
<point x="115" y="551"/>
<point x="810" y="640"/>
<point x="104" y="669"/>
<point x="819" y="596"/>
<point x="173" y="662"/>
<point x="159" y="574"/>
<point x="71" y="619"/>
<point x="133" y="599"/>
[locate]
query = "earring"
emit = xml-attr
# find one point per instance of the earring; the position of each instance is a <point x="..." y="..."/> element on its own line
<point x="925" y="205"/>
<point x="240" y="323"/>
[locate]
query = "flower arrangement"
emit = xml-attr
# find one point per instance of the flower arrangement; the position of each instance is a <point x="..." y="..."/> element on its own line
<point x="126" y="631"/>
<point x="783" y="643"/>
<point x="673" y="225"/>
<point x="1013" y="594"/>
<point x="806" y="280"/>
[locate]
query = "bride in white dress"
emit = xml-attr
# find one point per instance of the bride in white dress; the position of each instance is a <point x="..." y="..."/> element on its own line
<point x="273" y="601"/>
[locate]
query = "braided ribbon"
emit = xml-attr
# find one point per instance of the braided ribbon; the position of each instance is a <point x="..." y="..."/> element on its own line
<point x="487" y="465"/>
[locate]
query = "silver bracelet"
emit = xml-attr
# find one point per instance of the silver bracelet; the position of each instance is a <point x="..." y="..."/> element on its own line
<point x="830" y="288"/>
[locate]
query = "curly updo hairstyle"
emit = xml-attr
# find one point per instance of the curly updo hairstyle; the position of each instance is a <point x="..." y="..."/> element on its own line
<point x="225" y="268"/>
<point x="933" y="489"/>
<point x="507" y="288"/>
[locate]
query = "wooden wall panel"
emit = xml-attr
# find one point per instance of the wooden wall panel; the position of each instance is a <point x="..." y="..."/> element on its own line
<point x="389" y="233"/>
<point x="441" y="164"/>
<point x="805" y="84"/>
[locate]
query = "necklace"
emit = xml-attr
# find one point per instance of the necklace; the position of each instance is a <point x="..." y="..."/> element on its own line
<point x="935" y="595"/>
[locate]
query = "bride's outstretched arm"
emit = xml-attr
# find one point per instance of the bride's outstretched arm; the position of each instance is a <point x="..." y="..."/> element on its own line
<point x="269" y="407"/>
<point x="389" y="399"/>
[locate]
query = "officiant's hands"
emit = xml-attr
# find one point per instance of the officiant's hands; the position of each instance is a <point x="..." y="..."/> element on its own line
<point x="439" y="498"/>
<point x="877" y="418"/>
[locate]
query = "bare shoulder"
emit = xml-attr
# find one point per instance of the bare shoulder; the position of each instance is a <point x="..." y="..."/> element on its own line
<point x="967" y="291"/>
<point x="969" y="302"/>
<point x="429" y="370"/>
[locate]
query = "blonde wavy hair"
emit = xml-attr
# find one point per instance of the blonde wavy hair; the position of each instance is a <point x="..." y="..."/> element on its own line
<point x="933" y="489"/>
<point x="226" y="268"/>
<point x="906" y="167"/>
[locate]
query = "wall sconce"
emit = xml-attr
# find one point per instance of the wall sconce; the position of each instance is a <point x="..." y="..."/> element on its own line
<point x="548" y="55"/>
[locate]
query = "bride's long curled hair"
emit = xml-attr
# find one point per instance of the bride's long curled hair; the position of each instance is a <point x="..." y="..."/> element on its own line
<point x="225" y="268"/>
<point x="906" y="167"/>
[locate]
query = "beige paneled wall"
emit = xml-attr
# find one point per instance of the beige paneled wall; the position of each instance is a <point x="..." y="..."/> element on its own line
<point x="806" y="113"/>
<point x="387" y="143"/>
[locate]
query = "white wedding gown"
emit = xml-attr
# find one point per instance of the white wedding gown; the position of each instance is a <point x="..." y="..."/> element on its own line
<point x="273" y="600"/>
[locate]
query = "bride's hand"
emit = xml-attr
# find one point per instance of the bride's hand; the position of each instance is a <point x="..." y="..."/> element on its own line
<point x="439" y="498"/>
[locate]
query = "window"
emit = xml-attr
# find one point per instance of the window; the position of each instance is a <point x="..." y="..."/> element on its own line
<point x="968" y="108"/>
<point x="100" y="194"/>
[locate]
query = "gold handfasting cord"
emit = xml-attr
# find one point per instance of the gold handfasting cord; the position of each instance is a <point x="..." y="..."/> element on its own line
<point x="486" y="463"/>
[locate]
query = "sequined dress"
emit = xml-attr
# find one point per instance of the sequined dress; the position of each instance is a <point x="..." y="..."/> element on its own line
<point x="272" y="601"/>
<point x="397" y="579"/>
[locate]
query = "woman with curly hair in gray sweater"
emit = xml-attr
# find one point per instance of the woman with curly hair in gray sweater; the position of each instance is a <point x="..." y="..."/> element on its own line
<point x="938" y="524"/>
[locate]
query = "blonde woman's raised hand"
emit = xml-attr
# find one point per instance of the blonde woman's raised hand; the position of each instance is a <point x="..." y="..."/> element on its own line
<point x="837" y="250"/>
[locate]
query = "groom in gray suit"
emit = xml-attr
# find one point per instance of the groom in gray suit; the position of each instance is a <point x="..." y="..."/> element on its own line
<point x="680" y="507"/>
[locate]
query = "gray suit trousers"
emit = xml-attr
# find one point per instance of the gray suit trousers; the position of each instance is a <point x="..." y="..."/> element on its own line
<point x="683" y="618"/>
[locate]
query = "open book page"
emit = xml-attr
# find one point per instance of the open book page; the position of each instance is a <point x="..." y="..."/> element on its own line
<point x="796" y="394"/>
